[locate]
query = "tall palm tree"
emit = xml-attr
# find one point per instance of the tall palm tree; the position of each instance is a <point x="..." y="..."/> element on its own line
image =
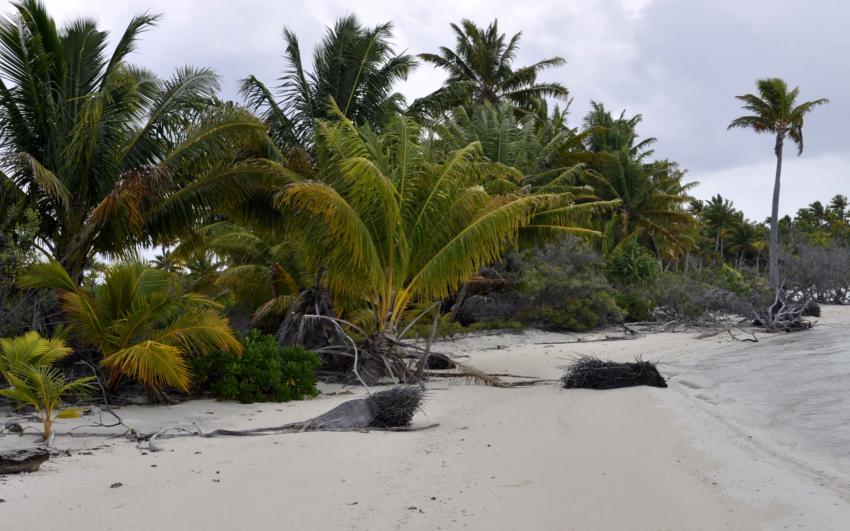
<point x="355" y="66"/>
<point x="95" y="144"/>
<point x="395" y="227"/>
<point x="775" y="111"/>
<point x="481" y="70"/>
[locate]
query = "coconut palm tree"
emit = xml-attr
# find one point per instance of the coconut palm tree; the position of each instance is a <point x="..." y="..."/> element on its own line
<point x="262" y="270"/>
<point x="775" y="111"/>
<point x="606" y="133"/>
<point x="651" y="201"/>
<point x="355" y="66"/>
<point x="141" y="321"/>
<point x="393" y="227"/>
<point x="481" y="70"/>
<point x="719" y="217"/>
<point x="26" y="362"/>
<point x="746" y="240"/>
<point x="814" y="216"/>
<point x="95" y="144"/>
<point x="838" y="206"/>
<point x="523" y="150"/>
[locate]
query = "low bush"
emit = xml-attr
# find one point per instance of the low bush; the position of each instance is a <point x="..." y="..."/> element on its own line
<point x="593" y="309"/>
<point x="266" y="372"/>
<point x="703" y="294"/>
<point x="558" y="286"/>
<point x="449" y="328"/>
<point x="637" y="302"/>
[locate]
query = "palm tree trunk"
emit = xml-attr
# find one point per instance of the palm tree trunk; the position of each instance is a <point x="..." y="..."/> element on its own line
<point x="774" y="215"/>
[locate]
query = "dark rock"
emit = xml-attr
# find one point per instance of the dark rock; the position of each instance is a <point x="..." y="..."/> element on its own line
<point x="812" y="310"/>
<point x="27" y="460"/>
<point x="493" y="307"/>
<point x="13" y="427"/>
<point x="116" y="485"/>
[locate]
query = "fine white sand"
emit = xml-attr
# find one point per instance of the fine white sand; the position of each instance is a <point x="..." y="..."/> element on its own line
<point x="524" y="458"/>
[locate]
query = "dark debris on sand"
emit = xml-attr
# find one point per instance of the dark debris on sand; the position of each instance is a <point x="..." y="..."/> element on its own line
<point x="588" y="372"/>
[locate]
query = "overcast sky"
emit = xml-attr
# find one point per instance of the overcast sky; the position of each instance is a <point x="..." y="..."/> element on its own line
<point x="679" y="63"/>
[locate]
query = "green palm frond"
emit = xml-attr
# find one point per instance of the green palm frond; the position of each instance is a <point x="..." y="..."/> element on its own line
<point x="154" y="364"/>
<point x="390" y="225"/>
<point x="96" y="143"/>
<point x="140" y="320"/>
<point x="353" y="65"/>
<point x="30" y="349"/>
<point x="481" y="70"/>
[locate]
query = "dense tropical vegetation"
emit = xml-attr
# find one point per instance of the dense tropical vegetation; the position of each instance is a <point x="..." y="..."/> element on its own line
<point x="326" y="212"/>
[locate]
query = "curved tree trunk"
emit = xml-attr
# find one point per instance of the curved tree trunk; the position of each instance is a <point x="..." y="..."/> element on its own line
<point x="774" y="216"/>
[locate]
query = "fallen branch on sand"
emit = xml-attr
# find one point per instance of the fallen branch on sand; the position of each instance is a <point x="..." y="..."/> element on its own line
<point x="389" y="410"/>
<point x="753" y="339"/>
<point x="632" y="335"/>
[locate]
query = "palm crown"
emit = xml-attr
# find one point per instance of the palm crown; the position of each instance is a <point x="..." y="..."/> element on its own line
<point x="354" y="66"/>
<point x="775" y="110"/>
<point x="481" y="70"/>
<point x="93" y="142"/>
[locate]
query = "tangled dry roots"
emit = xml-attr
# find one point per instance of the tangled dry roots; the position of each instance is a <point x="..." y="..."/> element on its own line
<point x="394" y="408"/>
<point x="588" y="372"/>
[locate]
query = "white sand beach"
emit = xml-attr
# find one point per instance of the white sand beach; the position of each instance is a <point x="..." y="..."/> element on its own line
<point x="709" y="452"/>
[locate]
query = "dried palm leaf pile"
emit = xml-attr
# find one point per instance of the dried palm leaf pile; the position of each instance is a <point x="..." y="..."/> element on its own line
<point x="392" y="408"/>
<point x="588" y="372"/>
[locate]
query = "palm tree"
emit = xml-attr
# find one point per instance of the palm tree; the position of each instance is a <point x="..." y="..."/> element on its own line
<point x="262" y="270"/>
<point x="393" y="227"/>
<point x="354" y="66"/>
<point x="523" y="150"/>
<point x="606" y="133"/>
<point x="96" y="145"/>
<point x="746" y="240"/>
<point x="838" y="206"/>
<point x="775" y="110"/>
<point x="651" y="203"/>
<point x="141" y="321"/>
<point x="720" y="216"/>
<point x="813" y="216"/>
<point x="481" y="70"/>
<point x="27" y="364"/>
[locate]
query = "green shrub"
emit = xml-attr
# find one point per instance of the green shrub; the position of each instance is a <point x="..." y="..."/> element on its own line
<point x="630" y="264"/>
<point x="266" y="372"/>
<point x="446" y="327"/>
<point x="593" y="309"/>
<point x="637" y="303"/>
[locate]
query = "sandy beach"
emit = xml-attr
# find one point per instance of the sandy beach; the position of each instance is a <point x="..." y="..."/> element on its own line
<point x="692" y="456"/>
